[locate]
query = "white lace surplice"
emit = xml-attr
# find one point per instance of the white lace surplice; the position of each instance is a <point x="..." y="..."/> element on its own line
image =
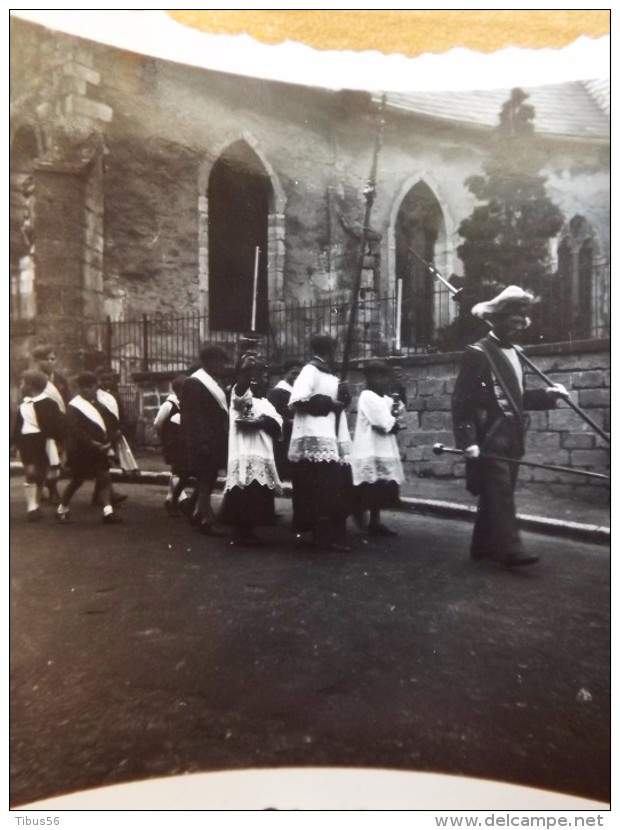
<point x="314" y="437"/>
<point x="250" y="454"/>
<point x="376" y="456"/>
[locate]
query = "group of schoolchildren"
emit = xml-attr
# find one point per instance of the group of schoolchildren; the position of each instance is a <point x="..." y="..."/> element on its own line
<point x="296" y="431"/>
<point x="81" y="432"/>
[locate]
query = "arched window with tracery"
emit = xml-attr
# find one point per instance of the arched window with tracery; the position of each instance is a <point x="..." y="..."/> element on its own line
<point x="420" y="228"/>
<point x="581" y="291"/>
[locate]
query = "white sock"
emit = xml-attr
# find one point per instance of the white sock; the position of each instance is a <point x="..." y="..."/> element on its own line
<point x="107" y="510"/>
<point x="30" y="491"/>
<point x="62" y="509"/>
<point x="171" y="485"/>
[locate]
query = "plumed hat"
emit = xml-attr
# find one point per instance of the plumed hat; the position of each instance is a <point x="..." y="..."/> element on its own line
<point x="512" y="300"/>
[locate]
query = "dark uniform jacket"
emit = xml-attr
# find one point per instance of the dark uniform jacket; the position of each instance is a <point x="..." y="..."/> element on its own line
<point x="85" y="439"/>
<point x="487" y="392"/>
<point x="204" y="426"/>
<point x="50" y="419"/>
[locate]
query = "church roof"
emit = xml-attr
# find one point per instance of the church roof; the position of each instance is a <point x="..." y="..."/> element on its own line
<point x="579" y="109"/>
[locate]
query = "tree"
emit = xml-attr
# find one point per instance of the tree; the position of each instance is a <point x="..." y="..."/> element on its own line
<point x="507" y="237"/>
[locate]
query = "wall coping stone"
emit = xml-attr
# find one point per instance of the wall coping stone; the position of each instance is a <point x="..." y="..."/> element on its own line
<point x="576" y="347"/>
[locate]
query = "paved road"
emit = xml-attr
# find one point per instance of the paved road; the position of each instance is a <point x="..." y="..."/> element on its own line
<point x="145" y="650"/>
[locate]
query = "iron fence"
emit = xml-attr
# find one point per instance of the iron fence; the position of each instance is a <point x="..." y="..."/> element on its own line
<point x="157" y="343"/>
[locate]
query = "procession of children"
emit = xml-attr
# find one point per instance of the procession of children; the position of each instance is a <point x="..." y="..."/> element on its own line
<point x="298" y="430"/>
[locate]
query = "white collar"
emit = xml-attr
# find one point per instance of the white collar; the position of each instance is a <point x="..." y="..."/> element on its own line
<point x="40" y="397"/>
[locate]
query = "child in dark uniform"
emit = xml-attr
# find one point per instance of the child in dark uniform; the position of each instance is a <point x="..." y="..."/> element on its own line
<point x="38" y="426"/>
<point x="167" y="424"/>
<point x="91" y="436"/>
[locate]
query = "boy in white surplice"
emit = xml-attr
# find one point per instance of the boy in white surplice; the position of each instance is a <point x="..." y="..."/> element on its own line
<point x="251" y="478"/>
<point x="377" y="468"/>
<point x="320" y="449"/>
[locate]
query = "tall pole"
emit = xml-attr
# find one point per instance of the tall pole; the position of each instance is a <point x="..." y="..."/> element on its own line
<point x="399" y="314"/>
<point x="369" y="195"/>
<point x="255" y="287"/>
<point x="439" y="449"/>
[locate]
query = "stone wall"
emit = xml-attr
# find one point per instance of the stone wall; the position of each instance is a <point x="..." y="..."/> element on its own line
<point x="558" y="437"/>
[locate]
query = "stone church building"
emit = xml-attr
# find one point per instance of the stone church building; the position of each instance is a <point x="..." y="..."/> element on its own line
<point x="142" y="187"/>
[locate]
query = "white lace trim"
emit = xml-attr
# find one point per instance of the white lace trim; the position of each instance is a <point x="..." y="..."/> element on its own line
<point x="370" y="470"/>
<point x="317" y="448"/>
<point x="243" y="471"/>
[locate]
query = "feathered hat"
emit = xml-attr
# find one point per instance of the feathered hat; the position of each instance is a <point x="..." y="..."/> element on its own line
<point x="512" y="300"/>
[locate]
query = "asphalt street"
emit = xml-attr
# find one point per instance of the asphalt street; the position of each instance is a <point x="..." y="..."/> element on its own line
<point x="146" y="650"/>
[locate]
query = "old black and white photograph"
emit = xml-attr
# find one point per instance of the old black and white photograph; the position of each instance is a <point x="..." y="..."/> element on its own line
<point x="310" y="434"/>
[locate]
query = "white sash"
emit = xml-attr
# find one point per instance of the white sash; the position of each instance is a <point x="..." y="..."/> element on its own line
<point x="89" y="411"/>
<point x="125" y="456"/>
<point x="109" y="401"/>
<point x="213" y="386"/>
<point x="29" y="415"/>
<point x="52" y="392"/>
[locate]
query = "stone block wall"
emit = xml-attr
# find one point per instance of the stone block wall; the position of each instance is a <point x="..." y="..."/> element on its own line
<point x="153" y="391"/>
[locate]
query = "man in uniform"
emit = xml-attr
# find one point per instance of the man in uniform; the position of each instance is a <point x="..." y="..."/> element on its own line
<point x="488" y="406"/>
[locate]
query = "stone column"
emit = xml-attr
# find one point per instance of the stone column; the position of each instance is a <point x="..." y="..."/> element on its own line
<point x="69" y="256"/>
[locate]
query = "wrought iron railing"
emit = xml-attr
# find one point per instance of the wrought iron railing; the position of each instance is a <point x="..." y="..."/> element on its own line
<point x="158" y="343"/>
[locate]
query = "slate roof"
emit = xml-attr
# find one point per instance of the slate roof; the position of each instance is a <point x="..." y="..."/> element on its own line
<point x="578" y="109"/>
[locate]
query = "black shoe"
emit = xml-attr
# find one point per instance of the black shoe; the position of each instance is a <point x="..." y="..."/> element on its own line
<point x="111" y="519"/>
<point x="380" y="530"/>
<point x="520" y="559"/>
<point x="63" y="518"/>
<point x="34" y="515"/>
<point x="185" y="507"/>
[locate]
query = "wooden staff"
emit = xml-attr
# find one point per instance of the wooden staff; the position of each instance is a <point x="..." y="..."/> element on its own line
<point x="255" y="287"/>
<point x="439" y="449"/>
<point x="369" y="195"/>
<point x="456" y="293"/>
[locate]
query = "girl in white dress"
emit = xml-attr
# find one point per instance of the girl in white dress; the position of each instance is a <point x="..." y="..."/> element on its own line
<point x="377" y="468"/>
